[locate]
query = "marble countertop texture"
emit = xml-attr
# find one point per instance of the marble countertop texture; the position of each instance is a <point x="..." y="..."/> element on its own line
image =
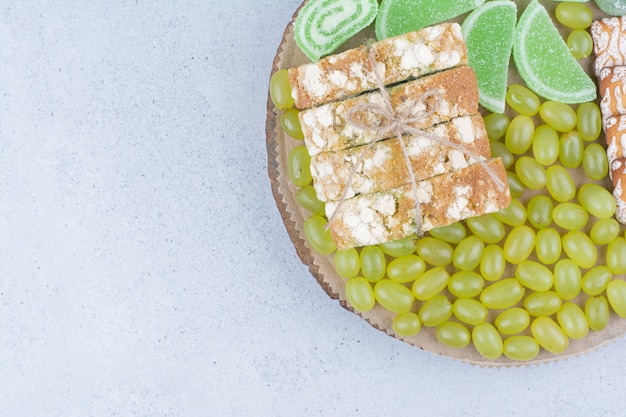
<point x="145" y="269"/>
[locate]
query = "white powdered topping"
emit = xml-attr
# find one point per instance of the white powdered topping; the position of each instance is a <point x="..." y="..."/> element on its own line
<point x="459" y="205"/>
<point x="400" y="45"/>
<point x="356" y="72"/>
<point x="620" y="211"/>
<point x="417" y="56"/>
<point x="418" y="144"/>
<point x="313" y="81"/>
<point x="465" y="129"/>
<point x="386" y="205"/>
<point x="444" y="108"/>
<point x="433" y="32"/>
<point x="457" y="160"/>
<point x="424" y="192"/>
<point x="324" y="116"/>
<point x="338" y="78"/>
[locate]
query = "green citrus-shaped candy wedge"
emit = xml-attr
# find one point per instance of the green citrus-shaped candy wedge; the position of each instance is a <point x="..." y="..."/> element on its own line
<point x="488" y="54"/>
<point x="322" y="26"/>
<point x="612" y="7"/>
<point x="397" y="17"/>
<point x="544" y="61"/>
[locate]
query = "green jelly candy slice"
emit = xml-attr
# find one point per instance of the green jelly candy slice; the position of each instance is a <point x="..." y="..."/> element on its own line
<point x="612" y="7"/>
<point x="322" y="26"/>
<point x="545" y="62"/>
<point x="397" y="17"/>
<point x="488" y="54"/>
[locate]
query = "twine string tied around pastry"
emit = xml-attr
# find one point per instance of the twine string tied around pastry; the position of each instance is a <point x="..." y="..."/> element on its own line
<point x="397" y="122"/>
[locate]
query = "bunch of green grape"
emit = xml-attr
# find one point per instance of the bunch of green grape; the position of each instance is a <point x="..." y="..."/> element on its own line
<point x="534" y="275"/>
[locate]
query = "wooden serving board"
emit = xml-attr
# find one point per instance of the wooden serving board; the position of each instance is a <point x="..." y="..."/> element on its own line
<point x="322" y="268"/>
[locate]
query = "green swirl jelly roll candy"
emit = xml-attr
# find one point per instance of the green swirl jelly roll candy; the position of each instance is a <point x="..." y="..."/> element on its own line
<point x="322" y="26"/>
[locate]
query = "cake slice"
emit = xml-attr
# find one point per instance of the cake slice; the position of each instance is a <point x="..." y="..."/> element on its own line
<point x="370" y="219"/>
<point x="398" y="59"/>
<point x="326" y="129"/>
<point x="382" y="166"/>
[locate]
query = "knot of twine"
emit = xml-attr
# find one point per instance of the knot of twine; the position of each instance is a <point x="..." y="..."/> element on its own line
<point x="398" y="122"/>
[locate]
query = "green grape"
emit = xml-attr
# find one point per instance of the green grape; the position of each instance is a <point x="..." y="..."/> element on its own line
<point x="595" y="162"/>
<point x="469" y="311"/>
<point x="347" y="263"/>
<point x="298" y="166"/>
<point x="318" y="236"/>
<point x="492" y="263"/>
<point x="280" y="90"/>
<point x="531" y="173"/>
<point x="452" y="233"/>
<point x="579" y="248"/>
<point x="567" y="279"/>
<point x="534" y="275"/>
<point x="406" y="324"/>
<point x="373" y="263"/>
<point x="571" y="149"/>
<point x="521" y="348"/>
<point x="616" y="293"/>
<point x="466" y="284"/>
<point x="435" y="311"/>
<point x="549" y="335"/>
<point x="542" y="303"/>
<point x="499" y="150"/>
<point x="360" y="294"/>
<point x="596" y="280"/>
<point x="573" y="15"/>
<point x="502" y="294"/>
<point x="604" y="231"/>
<point x="290" y="123"/>
<point x="513" y="321"/>
<point x="467" y="253"/>
<point x="597" y="312"/>
<point x="430" y="283"/>
<point x="570" y="216"/>
<point x="406" y="268"/>
<point x="453" y="334"/>
<point x="558" y="115"/>
<point x="615" y="259"/>
<point x="519" y="135"/>
<point x="513" y="215"/>
<point x="545" y="144"/>
<point x="496" y="125"/>
<point x="572" y="320"/>
<point x="519" y="244"/>
<point x="400" y="247"/>
<point x="540" y="210"/>
<point x="434" y="251"/>
<point x="580" y="43"/>
<point x="307" y="198"/>
<point x="597" y="200"/>
<point x="487" y="228"/>
<point x="522" y="100"/>
<point x="560" y="184"/>
<point x="589" y="119"/>
<point x="516" y="187"/>
<point x="487" y="341"/>
<point x="548" y="245"/>
<point x="393" y="296"/>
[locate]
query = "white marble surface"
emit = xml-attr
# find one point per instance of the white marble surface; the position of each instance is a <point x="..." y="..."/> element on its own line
<point x="145" y="270"/>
